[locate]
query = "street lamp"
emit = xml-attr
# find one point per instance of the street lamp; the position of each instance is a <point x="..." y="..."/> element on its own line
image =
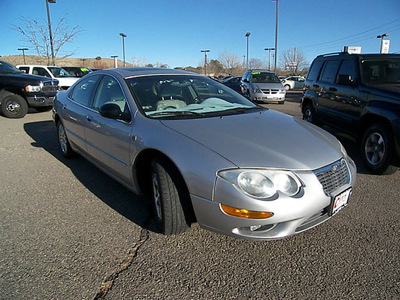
<point x="276" y="33"/>
<point x="247" y="52"/>
<point x="50" y="35"/>
<point x="382" y="36"/>
<point x="205" y="61"/>
<point x="23" y="53"/>
<point x="123" y="46"/>
<point x="269" y="56"/>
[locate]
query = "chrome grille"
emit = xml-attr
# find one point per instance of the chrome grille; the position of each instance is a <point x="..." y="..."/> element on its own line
<point x="333" y="176"/>
<point x="50" y="86"/>
<point x="270" y="91"/>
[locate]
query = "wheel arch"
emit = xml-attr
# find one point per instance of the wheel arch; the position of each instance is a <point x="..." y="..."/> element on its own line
<point x="142" y="173"/>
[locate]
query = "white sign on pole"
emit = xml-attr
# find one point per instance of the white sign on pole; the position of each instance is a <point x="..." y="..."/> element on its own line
<point x="385" y="46"/>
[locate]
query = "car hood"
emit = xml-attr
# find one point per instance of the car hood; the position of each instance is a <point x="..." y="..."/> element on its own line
<point x="271" y="85"/>
<point x="265" y="139"/>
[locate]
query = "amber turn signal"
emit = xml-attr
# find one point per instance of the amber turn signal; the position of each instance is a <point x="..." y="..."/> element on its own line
<point x="244" y="213"/>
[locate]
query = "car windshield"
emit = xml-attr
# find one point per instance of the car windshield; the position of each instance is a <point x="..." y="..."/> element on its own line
<point x="186" y="96"/>
<point x="6" y="68"/>
<point x="59" y="72"/>
<point x="263" y="77"/>
<point x="382" y="71"/>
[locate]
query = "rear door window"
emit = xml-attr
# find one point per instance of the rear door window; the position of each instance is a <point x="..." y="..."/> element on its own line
<point x="83" y="91"/>
<point x="329" y="71"/>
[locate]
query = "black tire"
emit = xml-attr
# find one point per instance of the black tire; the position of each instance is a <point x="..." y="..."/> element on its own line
<point x="377" y="149"/>
<point x="14" y="106"/>
<point x="63" y="142"/>
<point x="168" y="195"/>
<point x="309" y="114"/>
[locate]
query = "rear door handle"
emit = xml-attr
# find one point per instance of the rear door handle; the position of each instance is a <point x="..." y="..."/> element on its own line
<point x="88" y="118"/>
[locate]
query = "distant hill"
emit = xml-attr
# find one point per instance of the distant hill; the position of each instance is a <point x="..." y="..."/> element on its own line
<point x="93" y="63"/>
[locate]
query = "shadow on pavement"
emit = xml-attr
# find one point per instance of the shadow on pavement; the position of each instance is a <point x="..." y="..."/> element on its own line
<point x="115" y="195"/>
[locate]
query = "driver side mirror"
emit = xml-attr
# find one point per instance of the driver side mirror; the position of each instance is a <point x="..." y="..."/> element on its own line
<point x="113" y="111"/>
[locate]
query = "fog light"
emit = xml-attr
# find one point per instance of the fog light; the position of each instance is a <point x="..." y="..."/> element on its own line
<point x="244" y="213"/>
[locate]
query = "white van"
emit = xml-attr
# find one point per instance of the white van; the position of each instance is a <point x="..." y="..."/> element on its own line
<point x="65" y="79"/>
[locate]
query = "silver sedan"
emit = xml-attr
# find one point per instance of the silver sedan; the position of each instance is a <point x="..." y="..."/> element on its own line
<point x="203" y="153"/>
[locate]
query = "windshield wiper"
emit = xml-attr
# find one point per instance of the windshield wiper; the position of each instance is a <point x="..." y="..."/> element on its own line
<point x="174" y="113"/>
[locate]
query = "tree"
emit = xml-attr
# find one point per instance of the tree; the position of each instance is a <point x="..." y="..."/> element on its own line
<point x="37" y="34"/>
<point x="230" y="61"/>
<point x="256" y="63"/>
<point x="293" y="60"/>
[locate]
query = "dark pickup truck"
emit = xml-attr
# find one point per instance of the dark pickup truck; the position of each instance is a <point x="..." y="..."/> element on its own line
<point x="358" y="94"/>
<point x="19" y="91"/>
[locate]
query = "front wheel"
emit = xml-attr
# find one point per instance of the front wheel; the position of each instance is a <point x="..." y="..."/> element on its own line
<point x="377" y="149"/>
<point x="14" y="106"/>
<point x="309" y="113"/>
<point x="65" y="146"/>
<point x="168" y="195"/>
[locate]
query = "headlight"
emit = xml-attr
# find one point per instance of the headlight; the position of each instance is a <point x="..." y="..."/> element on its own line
<point x="263" y="183"/>
<point x="33" y="88"/>
<point x="343" y="150"/>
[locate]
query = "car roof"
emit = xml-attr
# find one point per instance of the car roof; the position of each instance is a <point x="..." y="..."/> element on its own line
<point x="38" y="66"/>
<point x="362" y="56"/>
<point x="135" y="72"/>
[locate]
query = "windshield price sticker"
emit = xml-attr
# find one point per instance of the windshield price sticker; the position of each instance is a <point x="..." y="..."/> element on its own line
<point x="340" y="201"/>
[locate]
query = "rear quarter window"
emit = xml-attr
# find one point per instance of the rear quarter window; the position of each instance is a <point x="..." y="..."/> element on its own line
<point x="314" y="70"/>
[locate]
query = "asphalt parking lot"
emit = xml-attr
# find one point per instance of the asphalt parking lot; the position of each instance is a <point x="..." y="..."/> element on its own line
<point x="67" y="231"/>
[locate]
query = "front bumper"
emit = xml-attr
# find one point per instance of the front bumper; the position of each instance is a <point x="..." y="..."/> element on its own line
<point x="268" y="97"/>
<point x="292" y="215"/>
<point x="40" y="100"/>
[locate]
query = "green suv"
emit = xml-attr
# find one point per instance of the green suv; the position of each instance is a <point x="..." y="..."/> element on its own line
<point x="358" y="94"/>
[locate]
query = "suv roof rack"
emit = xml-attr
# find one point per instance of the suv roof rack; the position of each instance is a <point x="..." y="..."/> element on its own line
<point x="333" y="54"/>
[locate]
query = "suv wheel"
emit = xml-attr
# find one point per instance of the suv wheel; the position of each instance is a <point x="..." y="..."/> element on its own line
<point x="309" y="114"/>
<point x="14" y="106"/>
<point x="377" y="149"/>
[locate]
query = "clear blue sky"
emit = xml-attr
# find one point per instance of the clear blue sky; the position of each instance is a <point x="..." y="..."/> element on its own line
<point x="174" y="31"/>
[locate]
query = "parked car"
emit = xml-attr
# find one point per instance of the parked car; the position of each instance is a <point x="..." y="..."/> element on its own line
<point x="262" y="85"/>
<point x="358" y="94"/>
<point x="64" y="78"/>
<point x="77" y="71"/>
<point x="233" y="83"/>
<point x="19" y="91"/>
<point x="201" y="151"/>
<point x="293" y="83"/>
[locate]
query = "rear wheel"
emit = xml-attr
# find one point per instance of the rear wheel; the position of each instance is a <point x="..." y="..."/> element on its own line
<point x="377" y="149"/>
<point x="168" y="196"/>
<point x="14" y="106"/>
<point x="287" y="87"/>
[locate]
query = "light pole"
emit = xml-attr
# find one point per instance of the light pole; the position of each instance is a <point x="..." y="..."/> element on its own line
<point x="123" y="46"/>
<point x="205" y="61"/>
<point x="23" y="53"/>
<point x="276" y="33"/>
<point x="269" y="56"/>
<point x="247" y="51"/>
<point x="50" y="34"/>
<point x="382" y="36"/>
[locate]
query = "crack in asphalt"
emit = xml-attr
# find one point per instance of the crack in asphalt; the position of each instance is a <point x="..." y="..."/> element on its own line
<point x="108" y="282"/>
